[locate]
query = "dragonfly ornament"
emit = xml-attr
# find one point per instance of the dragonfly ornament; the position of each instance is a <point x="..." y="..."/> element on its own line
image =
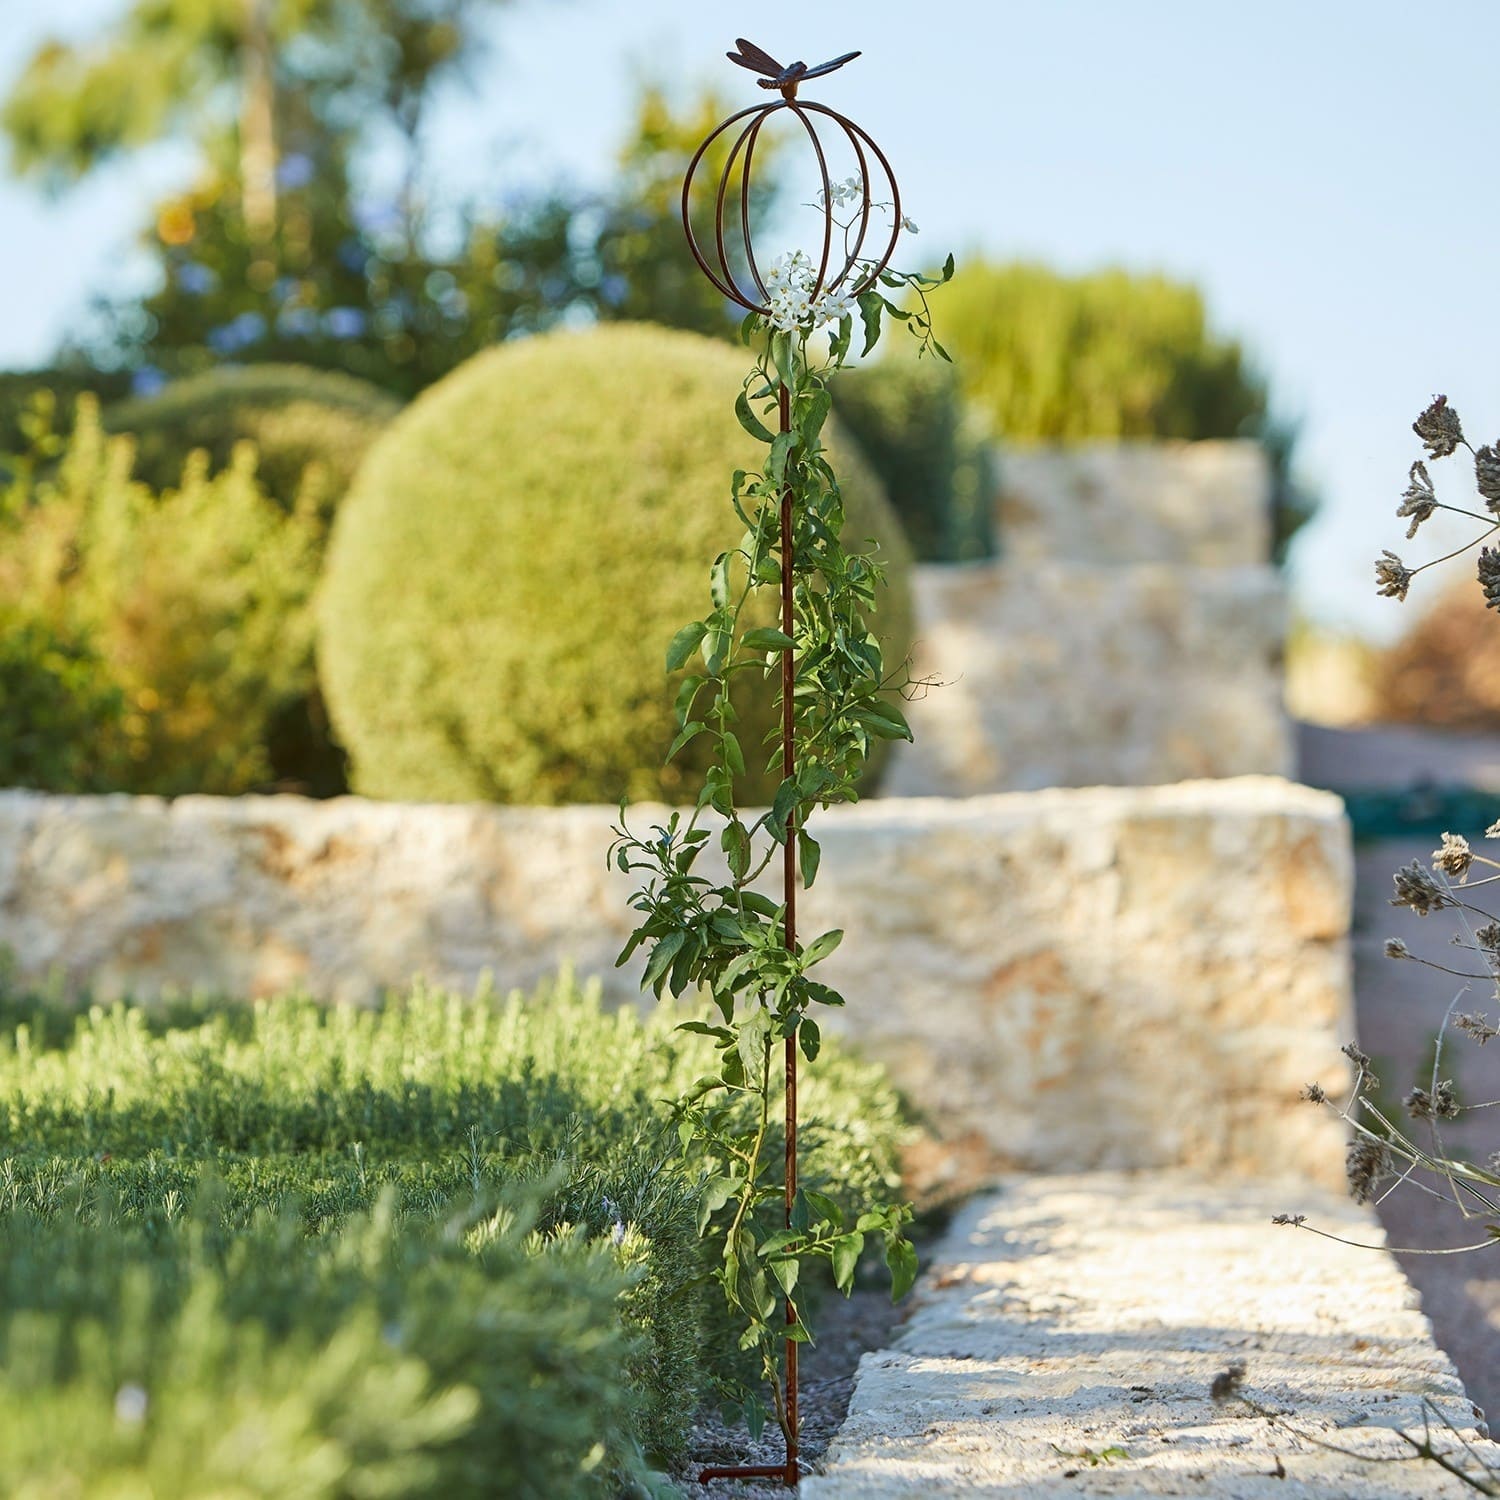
<point x="773" y="75"/>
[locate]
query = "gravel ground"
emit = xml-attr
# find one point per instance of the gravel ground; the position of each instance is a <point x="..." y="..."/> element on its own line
<point x="846" y="1329"/>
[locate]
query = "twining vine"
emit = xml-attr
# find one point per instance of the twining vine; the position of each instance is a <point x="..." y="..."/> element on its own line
<point x="726" y="937"/>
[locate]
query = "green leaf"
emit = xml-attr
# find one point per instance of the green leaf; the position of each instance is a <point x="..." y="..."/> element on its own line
<point x="883" y="720"/>
<point x="686" y="696"/>
<point x="871" y="305"/>
<point x="684" y="643"/>
<point x="734" y="757"/>
<point x="847" y="1249"/>
<point x="718" y="583"/>
<point x="702" y="1028"/>
<point x="813" y="413"/>
<point x="764" y="638"/>
<point x="661" y="959"/>
<point x="717" y="1191"/>
<point x="948" y="268"/>
<point x="942" y="352"/>
<point x="824" y="1206"/>
<point x="901" y="1257"/>
<point x="811" y="854"/>
<point x="784" y="360"/>
<point x="735" y="842"/>
<point x="691" y="730"/>
<point x="717" y="644"/>
<point x="749" y="421"/>
<point x="748" y="324"/>
<point x="781" y="447"/>
<point x="751" y="1041"/>
<point x="810" y="1038"/>
<point x="821" y="947"/>
<point x="785" y="1272"/>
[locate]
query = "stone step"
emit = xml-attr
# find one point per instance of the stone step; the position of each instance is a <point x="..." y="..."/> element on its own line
<point x="1067" y="1331"/>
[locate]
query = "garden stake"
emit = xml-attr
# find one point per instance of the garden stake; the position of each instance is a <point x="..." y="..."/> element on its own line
<point x="756" y="300"/>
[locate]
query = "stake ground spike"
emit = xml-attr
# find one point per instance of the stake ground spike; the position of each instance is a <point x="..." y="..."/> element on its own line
<point x="854" y="276"/>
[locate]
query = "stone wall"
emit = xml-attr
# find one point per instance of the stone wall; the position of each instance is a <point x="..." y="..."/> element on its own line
<point x="1131" y="633"/>
<point x="1187" y="505"/>
<point x="1113" y="977"/>
<point x="1066" y="674"/>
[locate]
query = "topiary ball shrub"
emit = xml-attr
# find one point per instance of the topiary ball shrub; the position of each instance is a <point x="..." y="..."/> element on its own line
<point x="517" y="551"/>
<point x="310" y="427"/>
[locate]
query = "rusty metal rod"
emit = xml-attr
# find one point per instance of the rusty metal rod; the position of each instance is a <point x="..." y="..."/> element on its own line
<point x="789" y="896"/>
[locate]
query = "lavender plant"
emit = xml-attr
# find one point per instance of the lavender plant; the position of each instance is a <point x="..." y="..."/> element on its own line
<point x="725" y="936"/>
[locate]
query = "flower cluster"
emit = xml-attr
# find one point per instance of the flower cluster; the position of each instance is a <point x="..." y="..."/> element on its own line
<point x="794" y="303"/>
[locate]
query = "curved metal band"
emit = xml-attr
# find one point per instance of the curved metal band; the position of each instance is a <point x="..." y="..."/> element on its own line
<point x="741" y="158"/>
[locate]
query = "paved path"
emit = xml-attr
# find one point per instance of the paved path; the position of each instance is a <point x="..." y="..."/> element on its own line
<point x="1068" y="1329"/>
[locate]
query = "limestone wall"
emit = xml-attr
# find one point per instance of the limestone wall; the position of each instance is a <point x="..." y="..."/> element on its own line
<point x="1131" y="633"/>
<point x="1191" y="505"/>
<point x="1065" y="979"/>
<point x="1067" y="674"/>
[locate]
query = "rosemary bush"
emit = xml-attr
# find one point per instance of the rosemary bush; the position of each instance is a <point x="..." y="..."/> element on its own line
<point x="212" y="1217"/>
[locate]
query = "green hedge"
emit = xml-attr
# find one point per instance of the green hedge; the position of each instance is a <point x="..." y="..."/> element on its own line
<point x="310" y="428"/>
<point x="479" y="1202"/>
<point x="518" y="550"/>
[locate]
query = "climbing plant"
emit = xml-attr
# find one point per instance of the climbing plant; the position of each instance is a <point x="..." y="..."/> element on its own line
<point x="703" y="923"/>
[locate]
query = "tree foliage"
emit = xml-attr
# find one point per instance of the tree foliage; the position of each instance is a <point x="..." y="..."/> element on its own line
<point x="1054" y="358"/>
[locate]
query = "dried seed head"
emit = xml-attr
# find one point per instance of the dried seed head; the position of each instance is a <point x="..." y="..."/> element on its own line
<point x="1366" y="1164"/>
<point x="1226" y="1384"/>
<point x="1440" y="1104"/>
<point x="1439" y="428"/>
<point x="1392" y="577"/>
<point x="1416" y="888"/>
<point x="1476" y="1027"/>
<point x="1361" y="1060"/>
<point x="1487" y="476"/>
<point x="1313" y="1094"/>
<point x="1419" y="501"/>
<point x="1454" y="857"/>
<point x="1395" y="948"/>
<point x="1493" y="831"/>
<point x="1295" y="1220"/>
<point x="1489" y="575"/>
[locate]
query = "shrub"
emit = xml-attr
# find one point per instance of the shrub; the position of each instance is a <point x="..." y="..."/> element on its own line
<point x="310" y="428"/>
<point x="62" y="715"/>
<point x="174" y="1360"/>
<point x="515" y="556"/>
<point x="197" y="601"/>
<point x="49" y="395"/>
<point x="908" y="417"/>
<point x="314" y="1140"/>
<point x="1110" y="354"/>
<point x="1444" y="672"/>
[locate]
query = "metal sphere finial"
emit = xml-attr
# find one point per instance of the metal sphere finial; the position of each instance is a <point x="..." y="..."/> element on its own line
<point x="853" y="275"/>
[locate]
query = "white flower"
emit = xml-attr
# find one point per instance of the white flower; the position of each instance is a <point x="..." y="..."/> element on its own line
<point x="908" y="226"/>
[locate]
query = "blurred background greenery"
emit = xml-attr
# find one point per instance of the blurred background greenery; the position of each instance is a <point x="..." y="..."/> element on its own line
<point x="172" y="480"/>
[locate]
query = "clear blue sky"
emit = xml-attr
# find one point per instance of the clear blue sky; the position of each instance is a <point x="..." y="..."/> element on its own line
<point x="1325" y="169"/>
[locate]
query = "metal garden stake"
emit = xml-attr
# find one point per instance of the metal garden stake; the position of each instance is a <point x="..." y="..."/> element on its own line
<point x="856" y="276"/>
